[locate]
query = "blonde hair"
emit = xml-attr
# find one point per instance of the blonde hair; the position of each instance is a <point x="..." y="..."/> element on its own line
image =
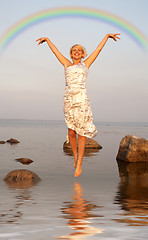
<point x="82" y="48"/>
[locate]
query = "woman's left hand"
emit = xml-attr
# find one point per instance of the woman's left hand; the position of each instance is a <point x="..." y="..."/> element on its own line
<point x="114" y="36"/>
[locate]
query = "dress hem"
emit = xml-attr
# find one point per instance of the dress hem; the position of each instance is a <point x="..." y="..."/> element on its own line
<point x="84" y="135"/>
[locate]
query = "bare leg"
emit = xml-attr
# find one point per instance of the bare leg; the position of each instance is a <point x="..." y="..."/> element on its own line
<point x="81" y="148"/>
<point x="73" y="143"/>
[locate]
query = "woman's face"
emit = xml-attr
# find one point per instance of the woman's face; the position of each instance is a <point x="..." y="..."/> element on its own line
<point x="77" y="53"/>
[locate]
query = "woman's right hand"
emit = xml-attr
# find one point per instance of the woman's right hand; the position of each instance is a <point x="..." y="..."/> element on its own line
<point x="65" y="62"/>
<point x="42" y="40"/>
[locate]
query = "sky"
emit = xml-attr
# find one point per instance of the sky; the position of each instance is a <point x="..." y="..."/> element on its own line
<point x="32" y="80"/>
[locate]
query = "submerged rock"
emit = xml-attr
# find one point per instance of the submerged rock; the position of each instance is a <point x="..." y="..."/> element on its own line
<point x="90" y="144"/>
<point x="12" y="141"/>
<point x="21" y="175"/>
<point x="25" y="161"/>
<point x="133" y="149"/>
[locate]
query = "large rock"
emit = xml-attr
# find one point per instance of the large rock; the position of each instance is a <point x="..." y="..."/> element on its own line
<point x="138" y="172"/>
<point x="22" y="175"/>
<point x="133" y="149"/>
<point x="90" y="144"/>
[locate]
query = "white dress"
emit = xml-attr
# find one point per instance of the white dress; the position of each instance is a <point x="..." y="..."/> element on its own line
<point x="78" y="114"/>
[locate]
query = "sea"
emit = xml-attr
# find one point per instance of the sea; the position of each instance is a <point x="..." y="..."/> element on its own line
<point x="99" y="204"/>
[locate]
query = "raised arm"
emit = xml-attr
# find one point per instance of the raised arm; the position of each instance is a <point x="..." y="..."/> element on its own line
<point x="96" y="52"/>
<point x="63" y="60"/>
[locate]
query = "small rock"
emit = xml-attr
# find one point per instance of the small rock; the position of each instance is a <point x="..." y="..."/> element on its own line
<point x="2" y="142"/>
<point x="133" y="149"/>
<point x="20" y="175"/>
<point x="12" y="141"/>
<point x="25" y="161"/>
<point x="90" y="144"/>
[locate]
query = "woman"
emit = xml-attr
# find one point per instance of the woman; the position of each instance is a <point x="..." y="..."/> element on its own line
<point x="78" y="115"/>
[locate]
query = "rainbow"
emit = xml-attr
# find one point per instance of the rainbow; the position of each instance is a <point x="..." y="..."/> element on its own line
<point x="78" y="12"/>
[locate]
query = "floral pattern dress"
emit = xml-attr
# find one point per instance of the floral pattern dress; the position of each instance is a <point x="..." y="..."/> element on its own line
<point x="78" y="114"/>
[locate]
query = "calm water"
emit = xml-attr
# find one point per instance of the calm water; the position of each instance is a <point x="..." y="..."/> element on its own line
<point x="97" y="205"/>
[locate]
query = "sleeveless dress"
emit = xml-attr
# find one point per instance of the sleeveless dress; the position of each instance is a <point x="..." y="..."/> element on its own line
<point x="77" y="110"/>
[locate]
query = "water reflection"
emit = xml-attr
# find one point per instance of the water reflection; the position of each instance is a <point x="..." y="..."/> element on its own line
<point x="11" y="210"/>
<point x="87" y="153"/>
<point x="79" y="213"/>
<point x="132" y="195"/>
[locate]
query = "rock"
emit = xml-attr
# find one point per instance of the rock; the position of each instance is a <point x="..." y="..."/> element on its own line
<point x="25" y="161"/>
<point x="21" y="175"/>
<point x="136" y="171"/>
<point x="2" y="142"/>
<point x="90" y="144"/>
<point x="12" y="141"/>
<point x="133" y="149"/>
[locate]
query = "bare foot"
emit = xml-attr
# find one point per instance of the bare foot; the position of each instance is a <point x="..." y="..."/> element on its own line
<point x="78" y="170"/>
